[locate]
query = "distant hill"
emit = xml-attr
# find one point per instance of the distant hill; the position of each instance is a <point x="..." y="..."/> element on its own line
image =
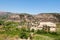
<point x="50" y="17"/>
<point x="42" y="17"/>
<point x="4" y="15"/>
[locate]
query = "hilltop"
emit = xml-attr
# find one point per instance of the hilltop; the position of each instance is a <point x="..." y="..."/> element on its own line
<point x="41" y="17"/>
<point x="48" y="17"/>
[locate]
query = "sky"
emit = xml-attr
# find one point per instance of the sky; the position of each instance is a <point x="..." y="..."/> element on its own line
<point x="30" y="6"/>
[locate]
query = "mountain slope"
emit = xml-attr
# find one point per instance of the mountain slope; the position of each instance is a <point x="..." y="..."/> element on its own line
<point x="48" y="17"/>
<point x="42" y="17"/>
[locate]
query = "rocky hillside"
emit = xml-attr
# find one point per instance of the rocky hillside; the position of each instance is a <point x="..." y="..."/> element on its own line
<point x="21" y="17"/>
<point x="48" y="17"/>
<point x="42" y="17"/>
<point x="4" y="15"/>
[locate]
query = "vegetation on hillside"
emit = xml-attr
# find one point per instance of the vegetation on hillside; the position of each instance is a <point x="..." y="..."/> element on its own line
<point x="10" y="29"/>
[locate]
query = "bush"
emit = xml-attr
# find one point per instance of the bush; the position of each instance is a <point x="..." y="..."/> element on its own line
<point x="23" y="33"/>
<point x="40" y="32"/>
<point x="53" y="33"/>
<point x="1" y="22"/>
<point x="32" y="30"/>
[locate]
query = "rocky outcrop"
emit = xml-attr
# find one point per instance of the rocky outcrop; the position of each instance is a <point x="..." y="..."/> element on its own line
<point x="48" y="17"/>
<point x="42" y="17"/>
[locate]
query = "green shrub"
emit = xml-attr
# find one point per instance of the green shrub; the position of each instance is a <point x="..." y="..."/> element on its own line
<point x="23" y="35"/>
<point x="32" y="30"/>
<point x="40" y="32"/>
<point x="53" y="33"/>
<point x="1" y="22"/>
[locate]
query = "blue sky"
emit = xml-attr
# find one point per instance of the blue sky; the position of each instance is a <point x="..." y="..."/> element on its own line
<point x="30" y="6"/>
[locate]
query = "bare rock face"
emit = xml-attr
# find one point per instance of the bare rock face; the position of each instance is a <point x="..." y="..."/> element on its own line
<point x="42" y="17"/>
<point x="48" y="17"/>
